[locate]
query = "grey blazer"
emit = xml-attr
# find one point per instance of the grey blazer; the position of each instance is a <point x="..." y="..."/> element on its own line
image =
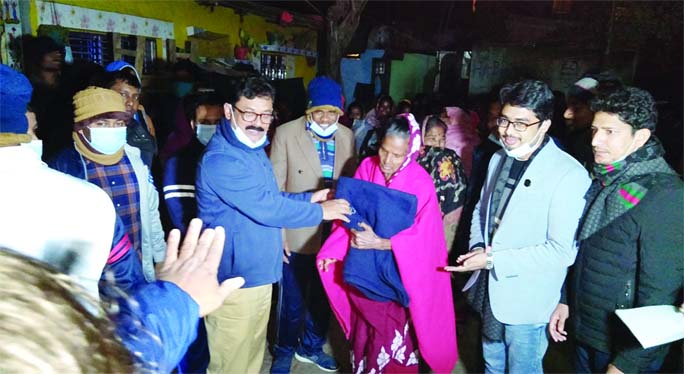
<point x="535" y="242"/>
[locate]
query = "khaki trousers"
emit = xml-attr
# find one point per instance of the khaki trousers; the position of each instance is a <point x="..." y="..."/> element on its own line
<point x="236" y="332"/>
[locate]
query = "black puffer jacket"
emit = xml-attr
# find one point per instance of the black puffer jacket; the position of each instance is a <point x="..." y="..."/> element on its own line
<point x="636" y="260"/>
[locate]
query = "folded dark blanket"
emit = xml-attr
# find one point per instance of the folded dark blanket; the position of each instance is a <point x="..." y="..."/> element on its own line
<point x="373" y="271"/>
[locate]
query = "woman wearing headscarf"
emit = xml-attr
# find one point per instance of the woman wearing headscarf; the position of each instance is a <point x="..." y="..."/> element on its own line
<point x="446" y="170"/>
<point x="403" y="310"/>
<point x="366" y="131"/>
<point x="461" y="134"/>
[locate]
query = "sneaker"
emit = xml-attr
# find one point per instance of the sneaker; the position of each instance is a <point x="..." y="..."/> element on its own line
<point x="321" y="359"/>
<point x="281" y="364"/>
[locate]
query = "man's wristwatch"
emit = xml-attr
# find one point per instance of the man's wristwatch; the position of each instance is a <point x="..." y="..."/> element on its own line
<point x="489" y="265"/>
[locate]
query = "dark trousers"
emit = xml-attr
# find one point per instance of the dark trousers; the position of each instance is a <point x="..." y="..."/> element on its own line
<point x="589" y="360"/>
<point x="303" y="312"/>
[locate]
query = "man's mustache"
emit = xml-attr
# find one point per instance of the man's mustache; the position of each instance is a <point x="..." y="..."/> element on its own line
<point x="255" y="128"/>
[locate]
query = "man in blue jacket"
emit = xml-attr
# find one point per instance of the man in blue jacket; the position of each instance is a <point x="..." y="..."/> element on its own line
<point x="77" y="232"/>
<point x="236" y="189"/>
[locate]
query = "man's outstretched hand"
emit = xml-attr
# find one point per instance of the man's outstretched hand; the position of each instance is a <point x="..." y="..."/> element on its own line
<point x="471" y="261"/>
<point x="336" y="209"/>
<point x="194" y="267"/>
<point x="323" y="195"/>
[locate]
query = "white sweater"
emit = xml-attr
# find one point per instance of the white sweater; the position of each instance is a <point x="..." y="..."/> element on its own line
<point x="53" y="217"/>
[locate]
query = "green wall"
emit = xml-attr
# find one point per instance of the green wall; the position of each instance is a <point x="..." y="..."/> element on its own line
<point x="412" y="75"/>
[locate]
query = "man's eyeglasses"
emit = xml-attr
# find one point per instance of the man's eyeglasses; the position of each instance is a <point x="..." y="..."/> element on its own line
<point x="266" y="118"/>
<point x="518" y="126"/>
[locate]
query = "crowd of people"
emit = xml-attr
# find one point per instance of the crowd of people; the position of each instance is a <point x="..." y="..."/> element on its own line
<point x="361" y="215"/>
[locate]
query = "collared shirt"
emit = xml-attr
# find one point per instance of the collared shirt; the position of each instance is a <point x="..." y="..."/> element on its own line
<point x="326" y="155"/>
<point x="120" y="183"/>
<point x="325" y="148"/>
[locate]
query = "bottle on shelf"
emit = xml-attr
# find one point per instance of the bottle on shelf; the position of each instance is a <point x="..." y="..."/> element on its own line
<point x="283" y="68"/>
<point x="272" y="68"/>
<point x="264" y="67"/>
<point x="279" y="71"/>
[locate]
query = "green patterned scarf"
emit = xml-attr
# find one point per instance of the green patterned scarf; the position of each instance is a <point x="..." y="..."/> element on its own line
<point x="620" y="186"/>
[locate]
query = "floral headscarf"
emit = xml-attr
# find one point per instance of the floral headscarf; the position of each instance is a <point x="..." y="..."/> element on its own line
<point x="414" y="143"/>
<point x="414" y="140"/>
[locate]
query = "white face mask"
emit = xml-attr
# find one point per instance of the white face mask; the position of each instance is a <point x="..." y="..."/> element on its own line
<point x="524" y="149"/>
<point x="204" y="132"/>
<point x="36" y="145"/>
<point x="322" y="132"/>
<point x="242" y="137"/>
<point x="107" y="140"/>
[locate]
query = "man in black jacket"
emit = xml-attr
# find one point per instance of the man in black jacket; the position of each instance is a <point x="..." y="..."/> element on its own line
<point x="204" y="113"/>
<point x="630" y="240"/>
<point x="124" y="79"/>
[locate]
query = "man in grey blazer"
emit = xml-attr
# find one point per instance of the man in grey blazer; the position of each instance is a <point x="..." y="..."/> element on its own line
<point x="522" y="233"/>
<point x="308" y="154"/>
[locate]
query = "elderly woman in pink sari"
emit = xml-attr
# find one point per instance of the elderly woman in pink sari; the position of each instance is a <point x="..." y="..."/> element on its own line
<point x="392" y="336"/>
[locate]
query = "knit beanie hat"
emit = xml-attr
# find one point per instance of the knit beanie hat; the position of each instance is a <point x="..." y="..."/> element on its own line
<point x="94" y="101"/>
<point x="15" y="94"/>
<point x="324" y="94"/>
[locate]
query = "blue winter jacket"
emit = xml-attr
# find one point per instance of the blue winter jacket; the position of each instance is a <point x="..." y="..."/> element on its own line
<point x="388" y="211"/>
<point x="156" y="324"/>
<point x="236" y="189"/>
<point x="123" y="266"/>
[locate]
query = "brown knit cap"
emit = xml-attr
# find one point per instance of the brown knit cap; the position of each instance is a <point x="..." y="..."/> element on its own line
<point x="94" y="101"/>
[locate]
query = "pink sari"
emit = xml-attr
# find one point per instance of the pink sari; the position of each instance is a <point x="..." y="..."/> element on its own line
<point x="420" y="252"/>
<point x="461" y="135"/>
